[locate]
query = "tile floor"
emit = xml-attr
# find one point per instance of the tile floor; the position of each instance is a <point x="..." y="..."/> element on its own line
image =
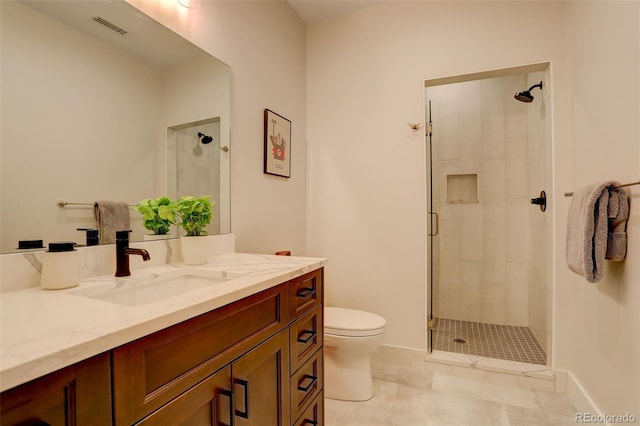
<point x="488" y="340"/>
<point x="405" y="397"/>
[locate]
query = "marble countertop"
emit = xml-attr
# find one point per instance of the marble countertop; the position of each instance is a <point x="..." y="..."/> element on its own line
<point x="42" y="331"/>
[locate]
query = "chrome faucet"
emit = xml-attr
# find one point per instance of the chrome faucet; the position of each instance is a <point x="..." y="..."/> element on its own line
<point x="123" y="251"/>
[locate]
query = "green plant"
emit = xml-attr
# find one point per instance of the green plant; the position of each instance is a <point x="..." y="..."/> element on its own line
<point x="157" y="214"/>
<point x="194" y="214"/>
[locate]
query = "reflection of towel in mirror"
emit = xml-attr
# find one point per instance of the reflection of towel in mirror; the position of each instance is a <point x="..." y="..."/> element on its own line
<point x="111" y="216"/>
<point x="596" y="228"/>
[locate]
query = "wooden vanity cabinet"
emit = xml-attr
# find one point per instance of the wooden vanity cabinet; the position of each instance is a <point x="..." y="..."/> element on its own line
<point x="257" y="361"/>
<point x="305" y="347"/>
<point x="76" y="395"/>
<point x="259" y="358"/>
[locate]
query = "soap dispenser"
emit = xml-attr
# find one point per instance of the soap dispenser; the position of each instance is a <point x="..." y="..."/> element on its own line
<point x="60" y="268"/>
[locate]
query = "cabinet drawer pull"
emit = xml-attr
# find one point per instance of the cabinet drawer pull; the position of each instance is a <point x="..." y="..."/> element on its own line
<point x="305" y="292"/>
<point x="312" y="382"/>
<point x="245" y="384"/>
<point x="310" y="422"/>
<point x="307" y="335"/>
<point x="228" y="394"/>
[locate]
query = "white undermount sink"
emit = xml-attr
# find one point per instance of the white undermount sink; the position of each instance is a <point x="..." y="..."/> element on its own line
<point x="144" y="288"/>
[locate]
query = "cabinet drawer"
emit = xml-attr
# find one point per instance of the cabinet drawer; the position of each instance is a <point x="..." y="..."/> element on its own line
<point x="153" y="370"/>
<point x="314" y="415"/>
<point x="305" y="292"/>
<point x="306" y="383"/>
<point x="305" y="337"/>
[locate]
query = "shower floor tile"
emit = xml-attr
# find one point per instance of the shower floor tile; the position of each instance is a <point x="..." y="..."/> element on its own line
<point x="488" y="340"/>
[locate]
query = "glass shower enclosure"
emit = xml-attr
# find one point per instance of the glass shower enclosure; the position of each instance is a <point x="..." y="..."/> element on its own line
<point x="489" y="273"/>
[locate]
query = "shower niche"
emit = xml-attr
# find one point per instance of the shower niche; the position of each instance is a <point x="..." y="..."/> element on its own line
<point x="462" y="189"/>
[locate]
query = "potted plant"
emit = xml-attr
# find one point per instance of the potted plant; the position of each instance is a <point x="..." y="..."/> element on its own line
<point x="157" y="215"/>
<point x="193" y="214"/>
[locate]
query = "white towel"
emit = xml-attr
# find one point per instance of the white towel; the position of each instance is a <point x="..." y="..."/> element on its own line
<point x="596" y="228"/>
<point x="111" y="216"/>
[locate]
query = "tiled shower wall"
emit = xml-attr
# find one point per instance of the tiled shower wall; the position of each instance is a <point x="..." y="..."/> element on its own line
<point x="482" y="252"/>
<point x="540" y="172"/>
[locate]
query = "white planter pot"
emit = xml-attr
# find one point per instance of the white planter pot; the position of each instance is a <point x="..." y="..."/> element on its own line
<point x="195" y="250"/>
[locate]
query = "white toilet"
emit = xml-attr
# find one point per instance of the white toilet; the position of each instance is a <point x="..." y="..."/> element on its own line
<point x="350" y="337"/>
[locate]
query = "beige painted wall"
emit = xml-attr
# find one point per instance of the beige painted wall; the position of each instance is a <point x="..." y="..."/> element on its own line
<point x="597" y="326"/>
<point x="366" y="197"/>
<point x="366" y="168"/>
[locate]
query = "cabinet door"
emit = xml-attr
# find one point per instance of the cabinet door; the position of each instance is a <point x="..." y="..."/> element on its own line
<point x="76" y="395"/>
<point x="207" y="403"/>
<point x="150" y="372"/>
<point x="261" y="384"/>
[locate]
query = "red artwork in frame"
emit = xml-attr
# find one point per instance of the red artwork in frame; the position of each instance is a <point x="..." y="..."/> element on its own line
<point x="277" y="144"/>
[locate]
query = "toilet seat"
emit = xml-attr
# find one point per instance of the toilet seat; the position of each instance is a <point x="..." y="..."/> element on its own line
<point x="352" y="323"/>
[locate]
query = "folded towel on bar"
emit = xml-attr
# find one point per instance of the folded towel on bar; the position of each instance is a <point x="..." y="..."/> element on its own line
<point x="111" y="216"/>
<point x="618" y="213"/>
<point x="596" y="228"/>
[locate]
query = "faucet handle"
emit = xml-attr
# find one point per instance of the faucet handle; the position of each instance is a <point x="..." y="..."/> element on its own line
<point x="123" y="235"/>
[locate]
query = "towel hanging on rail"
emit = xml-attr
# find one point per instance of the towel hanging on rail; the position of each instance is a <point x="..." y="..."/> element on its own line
<point x="596" y="228"/>
<point x="111" y="216"/>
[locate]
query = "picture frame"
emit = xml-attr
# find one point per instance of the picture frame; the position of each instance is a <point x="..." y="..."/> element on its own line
<point x="277" y="144"/>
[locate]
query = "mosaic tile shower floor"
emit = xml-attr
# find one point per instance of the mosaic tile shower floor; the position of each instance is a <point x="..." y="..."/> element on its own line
<point x="488" y="341"/>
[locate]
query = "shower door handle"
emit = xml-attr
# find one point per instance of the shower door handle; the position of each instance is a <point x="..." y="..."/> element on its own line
<point x="437" y="222"/>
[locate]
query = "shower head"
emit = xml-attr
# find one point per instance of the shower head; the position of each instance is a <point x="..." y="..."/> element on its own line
<point x="526" y="96"/>
<point x="204" y="138"/>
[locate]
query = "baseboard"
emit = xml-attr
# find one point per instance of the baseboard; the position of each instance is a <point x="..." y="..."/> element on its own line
<point x="579" y="397"/>
<point x="530" y="376"/>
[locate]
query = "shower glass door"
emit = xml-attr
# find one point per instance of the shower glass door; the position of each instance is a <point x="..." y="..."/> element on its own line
<point x="432" y="232"/>
<point x="489" y="264"/>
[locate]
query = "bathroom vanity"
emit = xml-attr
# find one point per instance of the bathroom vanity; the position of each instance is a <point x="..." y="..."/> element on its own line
<point x="246" y="351"/>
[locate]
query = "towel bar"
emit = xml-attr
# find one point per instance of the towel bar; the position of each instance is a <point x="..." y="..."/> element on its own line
<point x="570" y="194"/>
<point x="63" y="204"/>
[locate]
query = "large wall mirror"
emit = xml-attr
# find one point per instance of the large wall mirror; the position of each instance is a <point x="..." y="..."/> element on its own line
<point x="101" y="102"/>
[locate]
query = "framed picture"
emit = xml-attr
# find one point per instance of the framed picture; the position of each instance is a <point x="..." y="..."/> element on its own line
<point x="277" y="144"/>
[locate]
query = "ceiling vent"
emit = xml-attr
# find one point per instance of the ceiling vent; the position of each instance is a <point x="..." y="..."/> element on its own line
<point x="110" y="26"/>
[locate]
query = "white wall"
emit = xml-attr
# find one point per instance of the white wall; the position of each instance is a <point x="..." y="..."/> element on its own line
<point x="597" y="326"/>
<point x="264" y="44"/>
<point x="367" y="199"/>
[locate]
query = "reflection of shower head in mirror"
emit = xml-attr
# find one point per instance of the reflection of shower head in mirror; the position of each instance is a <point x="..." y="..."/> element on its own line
<point x="526" y="96"/>
<point x="204" y="138"/>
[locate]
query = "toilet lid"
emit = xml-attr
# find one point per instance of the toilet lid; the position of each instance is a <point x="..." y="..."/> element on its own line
<point x="351" y="322"/>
